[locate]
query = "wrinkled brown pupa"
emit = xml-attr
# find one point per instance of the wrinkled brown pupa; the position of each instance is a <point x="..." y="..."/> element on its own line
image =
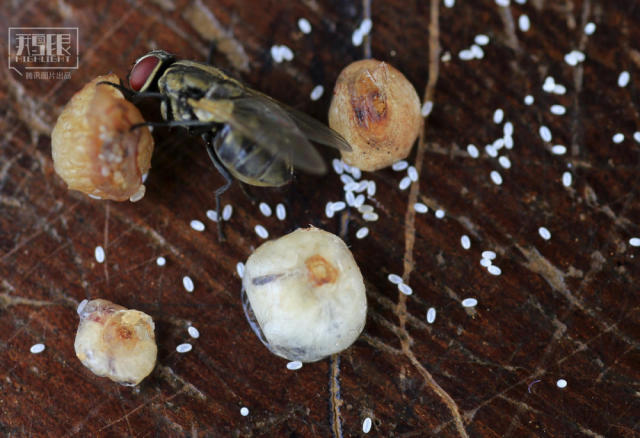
<point x="94" y="149"/>
<point x="377" y="110"/>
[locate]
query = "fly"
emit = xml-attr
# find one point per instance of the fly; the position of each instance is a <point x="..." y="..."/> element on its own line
<point x="248" y="135"/>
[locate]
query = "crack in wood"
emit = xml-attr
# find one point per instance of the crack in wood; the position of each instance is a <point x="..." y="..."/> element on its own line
<point x="510" y="28"/>
<point x="173" y="379"/>
<point x="29" y="110"/>
<point x="521" y="405"/>
<point x="540" y="265"/>
<point x="335" y="400"/>
<point x="7" y="300"/>
<point x="43" y="226"/>
<point x="373" y="292"/>
<point x="577" y="136"/>
<point x="379" y="344"/>
<point x="410" y="231"/>
<point x="133" y="411"/>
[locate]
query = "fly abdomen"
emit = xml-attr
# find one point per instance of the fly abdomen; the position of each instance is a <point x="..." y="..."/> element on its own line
<point x="250" y="163"/>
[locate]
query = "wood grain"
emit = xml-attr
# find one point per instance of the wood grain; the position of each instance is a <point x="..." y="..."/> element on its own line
<point x="563" y="308"/>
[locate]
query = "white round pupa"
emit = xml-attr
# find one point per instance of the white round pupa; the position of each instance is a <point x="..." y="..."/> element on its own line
<point x="307" y="294"/>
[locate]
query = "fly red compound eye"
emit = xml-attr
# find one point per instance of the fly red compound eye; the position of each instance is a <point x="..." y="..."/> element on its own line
<point x="141" y="72"/>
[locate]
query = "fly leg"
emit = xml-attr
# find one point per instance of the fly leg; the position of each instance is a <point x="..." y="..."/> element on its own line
<point x="189" y="124"/>
<point x="212" y="49"/>
<point x="247" y="192"/>
<point x="220" y="190"/>
<point x="131" y="95"/>
<point x="128" y="94"/>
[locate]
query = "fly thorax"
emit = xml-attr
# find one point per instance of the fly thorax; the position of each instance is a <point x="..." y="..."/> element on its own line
<point x="209" y="110"/>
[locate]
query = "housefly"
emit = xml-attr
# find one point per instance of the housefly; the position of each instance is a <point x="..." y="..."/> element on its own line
<point x="248" y="135"/>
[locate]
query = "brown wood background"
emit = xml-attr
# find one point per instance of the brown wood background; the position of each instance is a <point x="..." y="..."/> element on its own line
<point x="563" y="308"/>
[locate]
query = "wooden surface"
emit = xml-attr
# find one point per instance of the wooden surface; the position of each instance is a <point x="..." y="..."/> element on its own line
<point x="563" y="308"/>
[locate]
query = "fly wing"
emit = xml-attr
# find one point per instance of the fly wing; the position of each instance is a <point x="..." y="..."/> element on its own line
<point x="266" y="124"/>
<point x="310" y="127"/>
<point x="316" y="131"/>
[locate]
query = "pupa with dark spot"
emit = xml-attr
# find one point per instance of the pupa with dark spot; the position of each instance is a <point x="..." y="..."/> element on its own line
<point x="304" y="295"/>
<point x="115" y="342"/>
